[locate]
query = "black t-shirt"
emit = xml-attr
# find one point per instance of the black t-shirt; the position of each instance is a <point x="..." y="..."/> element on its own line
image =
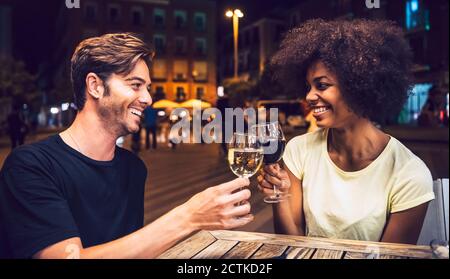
<point x="50" y="192"/>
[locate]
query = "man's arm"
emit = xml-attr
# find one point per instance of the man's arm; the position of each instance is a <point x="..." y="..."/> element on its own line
<point x="211" y="209"/>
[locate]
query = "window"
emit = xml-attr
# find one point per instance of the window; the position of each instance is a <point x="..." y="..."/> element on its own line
<point x="200" y="46"/>
<point x="200" y="93"/>
<point x="90" y="12"/>
<point x="181" y="95"/>
<point x="159" y="93"/>
<point x="413" y="106"/>
<point x="113" y="13"/>
<point x="416" y="16"/>
<point x="200" y="72"/>
<point x="256" y="35"/>
<point x="247" y="35"/>
<point x="137" y="16"/>
<point x="89" y="33"/>
<point x="159" y="16"/>
<point x="294" y="20"/>
<point x="180" y="45"/>
<point x="200" y="21"/>
<point x="159" y="69"/>
<point x="180" y="19"/>
<point x="180" y="70"/>
<point x="159" y="41"/>
<point x="279" y="33"/>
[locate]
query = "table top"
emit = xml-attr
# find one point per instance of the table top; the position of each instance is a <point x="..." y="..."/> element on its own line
<point x="250" y="245"/>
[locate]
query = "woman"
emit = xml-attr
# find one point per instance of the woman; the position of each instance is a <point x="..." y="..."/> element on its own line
<point x="349" y="179"/>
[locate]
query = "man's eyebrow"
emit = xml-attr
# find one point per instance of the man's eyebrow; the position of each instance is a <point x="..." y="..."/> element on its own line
<point x="136" y="78"/>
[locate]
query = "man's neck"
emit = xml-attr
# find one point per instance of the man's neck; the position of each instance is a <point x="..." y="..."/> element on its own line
<point x="88" y="135"/>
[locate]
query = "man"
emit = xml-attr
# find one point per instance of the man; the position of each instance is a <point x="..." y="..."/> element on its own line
<point x="78" y="195"/>
<point x="17" y="128"/>
<point x="150" y="120"/>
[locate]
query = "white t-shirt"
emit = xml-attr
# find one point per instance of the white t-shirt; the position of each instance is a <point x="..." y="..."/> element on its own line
<point x="355" y="205"/>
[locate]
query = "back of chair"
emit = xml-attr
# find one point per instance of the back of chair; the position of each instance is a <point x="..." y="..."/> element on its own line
<point x="445" y="196"/>
<point x="435" y="225"/>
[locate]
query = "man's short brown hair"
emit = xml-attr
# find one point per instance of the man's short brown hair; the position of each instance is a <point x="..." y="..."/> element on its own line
<point x="105" y="55"/>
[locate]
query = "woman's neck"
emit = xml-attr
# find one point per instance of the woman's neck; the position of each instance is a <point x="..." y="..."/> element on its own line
<point x="356" y="145"/>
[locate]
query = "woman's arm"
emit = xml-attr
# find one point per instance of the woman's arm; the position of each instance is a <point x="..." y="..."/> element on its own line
<point x="405" y="226"/>
<point x="288" y="216"/>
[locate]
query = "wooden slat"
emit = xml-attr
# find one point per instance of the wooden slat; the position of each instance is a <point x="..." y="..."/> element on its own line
<point x="268" y="251"/>
<point x="390" y="257"/>
<point x="243" y="250"/>
<point x="189" y="247"/>
<point x="299" y="253"/>
<point x="357" y="255"/>
<point x="216" y="250"/>
<point x="402" y="250"/>
<point x="327" y="254"/>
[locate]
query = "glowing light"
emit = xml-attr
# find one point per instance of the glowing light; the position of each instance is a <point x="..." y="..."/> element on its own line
<point x="220" y="91"/>
<point x="183" y="114"/>
<point x="161" y="113"/>
<point x="238" y="13"/>
<point x="414" y="6"/>
<point x="65" y="106"/>
<point x="54" y="110"/>
<point x="229" y="13"/>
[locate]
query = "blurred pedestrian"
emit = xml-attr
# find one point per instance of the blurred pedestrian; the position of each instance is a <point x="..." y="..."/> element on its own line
<point x="151" y="126"/>
<point x="17" y="128"/>
<point x="221" y="105"/>
<point x="433" y="112"/>
<point x="136" y="141"/>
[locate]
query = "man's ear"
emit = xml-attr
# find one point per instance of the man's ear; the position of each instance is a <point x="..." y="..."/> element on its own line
<point x="94" y="86"/>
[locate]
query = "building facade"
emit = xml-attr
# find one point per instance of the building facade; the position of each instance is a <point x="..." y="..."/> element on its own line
<point x="257" y="42"/>
<point x="182" y="33"/>
<point x="425" y="23"/>
<point x="5" y="29"/>
<point x="5" y="51"/>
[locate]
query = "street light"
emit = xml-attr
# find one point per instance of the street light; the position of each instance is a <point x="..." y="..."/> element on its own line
<point x="236" y="14"/>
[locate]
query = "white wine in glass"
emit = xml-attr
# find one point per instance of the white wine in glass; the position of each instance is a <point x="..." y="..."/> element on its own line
<point x="245" y="156"/>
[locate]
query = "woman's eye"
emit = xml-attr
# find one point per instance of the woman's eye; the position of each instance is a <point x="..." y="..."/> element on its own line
<point x="322" y="86"/>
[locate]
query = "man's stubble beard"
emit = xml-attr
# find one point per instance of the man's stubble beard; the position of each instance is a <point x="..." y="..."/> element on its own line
<point x="110" y="116"/>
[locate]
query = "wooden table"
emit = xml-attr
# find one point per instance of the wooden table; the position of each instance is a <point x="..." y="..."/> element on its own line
<point x="250" y="245"/>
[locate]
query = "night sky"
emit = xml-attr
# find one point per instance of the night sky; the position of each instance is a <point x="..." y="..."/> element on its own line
<point x="33" y="26"/>
<point x="34" y="23"/>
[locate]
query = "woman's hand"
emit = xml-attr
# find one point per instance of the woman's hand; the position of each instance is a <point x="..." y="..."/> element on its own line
<point x="273" y="175"/>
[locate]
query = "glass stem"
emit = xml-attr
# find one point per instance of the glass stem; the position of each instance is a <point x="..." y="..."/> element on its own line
<point x="275" y="191"/>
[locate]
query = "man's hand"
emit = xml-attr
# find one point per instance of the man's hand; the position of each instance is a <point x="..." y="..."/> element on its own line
<point x="220" y="207"/>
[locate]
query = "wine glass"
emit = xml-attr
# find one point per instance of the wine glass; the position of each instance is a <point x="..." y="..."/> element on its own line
<point x="245" y="155"/>
<point x="272" y="140"/>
